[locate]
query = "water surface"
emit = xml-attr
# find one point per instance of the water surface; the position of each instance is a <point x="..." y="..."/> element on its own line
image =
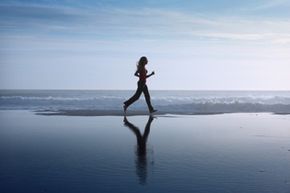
<point x="212" y="153"/>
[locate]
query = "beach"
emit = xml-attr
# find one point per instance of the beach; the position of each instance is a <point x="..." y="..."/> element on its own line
<point x="234" y="152"/>
<point x="144" y="96"/>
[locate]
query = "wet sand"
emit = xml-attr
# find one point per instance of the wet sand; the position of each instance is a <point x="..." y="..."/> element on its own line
<point x="240" y="152"/>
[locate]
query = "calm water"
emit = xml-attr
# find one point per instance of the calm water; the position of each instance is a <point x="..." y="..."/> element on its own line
<point x="240" y="153"/>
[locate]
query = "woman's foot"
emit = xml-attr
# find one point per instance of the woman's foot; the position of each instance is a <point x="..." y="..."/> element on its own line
<point x="125" y="119"/>
<point x="125" y="108"/>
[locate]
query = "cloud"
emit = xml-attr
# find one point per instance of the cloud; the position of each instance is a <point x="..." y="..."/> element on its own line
<point x="268" y="4"/>
<point x="39" y="12"/>
<point x="146" y="24"/>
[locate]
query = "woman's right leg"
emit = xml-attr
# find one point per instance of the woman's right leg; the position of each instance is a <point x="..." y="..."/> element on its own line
<point x="147" y="98"/>
<point x="136" y="96"/>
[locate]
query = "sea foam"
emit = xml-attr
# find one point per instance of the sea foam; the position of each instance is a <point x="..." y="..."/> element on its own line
<point x="185" y="102"/>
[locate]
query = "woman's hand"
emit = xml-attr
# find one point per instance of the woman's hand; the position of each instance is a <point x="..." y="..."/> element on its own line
<point x="152" y="73"/>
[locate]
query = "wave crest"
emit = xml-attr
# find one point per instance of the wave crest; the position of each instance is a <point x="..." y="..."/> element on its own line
<point x="171" y="102"/>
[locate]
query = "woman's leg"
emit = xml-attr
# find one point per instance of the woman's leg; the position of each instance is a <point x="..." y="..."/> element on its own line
<point x="147" y="97"/>
<point x="136" y="96"/>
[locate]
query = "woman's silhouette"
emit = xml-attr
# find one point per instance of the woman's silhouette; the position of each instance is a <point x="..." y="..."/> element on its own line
<point x="141" y="72"/>
<point x="141" y="162"/>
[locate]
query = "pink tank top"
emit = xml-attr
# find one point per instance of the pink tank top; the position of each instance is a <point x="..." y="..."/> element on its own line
<point x="142" y="74"/>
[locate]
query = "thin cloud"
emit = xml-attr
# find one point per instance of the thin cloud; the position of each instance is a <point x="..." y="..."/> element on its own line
<point x="146" y="23"/>
<point x="254" y="7"/>
<point x="271" y="4"/>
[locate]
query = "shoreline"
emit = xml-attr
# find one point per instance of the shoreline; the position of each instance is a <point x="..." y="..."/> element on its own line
<point x="135" y="113"/>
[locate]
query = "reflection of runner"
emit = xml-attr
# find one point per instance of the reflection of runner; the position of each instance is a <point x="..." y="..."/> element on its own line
<point x="141" y="162"/>
<point x="141" y="72"/>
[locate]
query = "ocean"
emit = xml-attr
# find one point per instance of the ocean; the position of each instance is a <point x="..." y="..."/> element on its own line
<point x="196" y="143"/>
<point x="176" y="102"/>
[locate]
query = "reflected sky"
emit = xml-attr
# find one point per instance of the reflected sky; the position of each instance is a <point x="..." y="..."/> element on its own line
<point x="243" y="153"/>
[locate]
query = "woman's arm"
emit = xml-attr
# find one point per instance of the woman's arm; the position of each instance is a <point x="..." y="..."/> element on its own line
<point x="136" y="73"/>
<point x="152" y="73"/>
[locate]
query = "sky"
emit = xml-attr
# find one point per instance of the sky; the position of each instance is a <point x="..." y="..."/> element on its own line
<point x="191" y="45"/>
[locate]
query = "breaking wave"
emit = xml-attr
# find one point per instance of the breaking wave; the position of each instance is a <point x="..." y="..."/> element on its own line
<point x="185" y="102"/>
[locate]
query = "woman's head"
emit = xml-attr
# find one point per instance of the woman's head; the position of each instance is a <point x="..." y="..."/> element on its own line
<point x="142" y="61"/>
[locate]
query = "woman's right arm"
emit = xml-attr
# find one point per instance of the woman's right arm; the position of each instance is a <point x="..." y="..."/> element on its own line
<point x="136" y="73"/>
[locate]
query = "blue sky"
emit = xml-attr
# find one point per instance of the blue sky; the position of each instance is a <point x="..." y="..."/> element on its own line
<point x="216" y="45"/>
